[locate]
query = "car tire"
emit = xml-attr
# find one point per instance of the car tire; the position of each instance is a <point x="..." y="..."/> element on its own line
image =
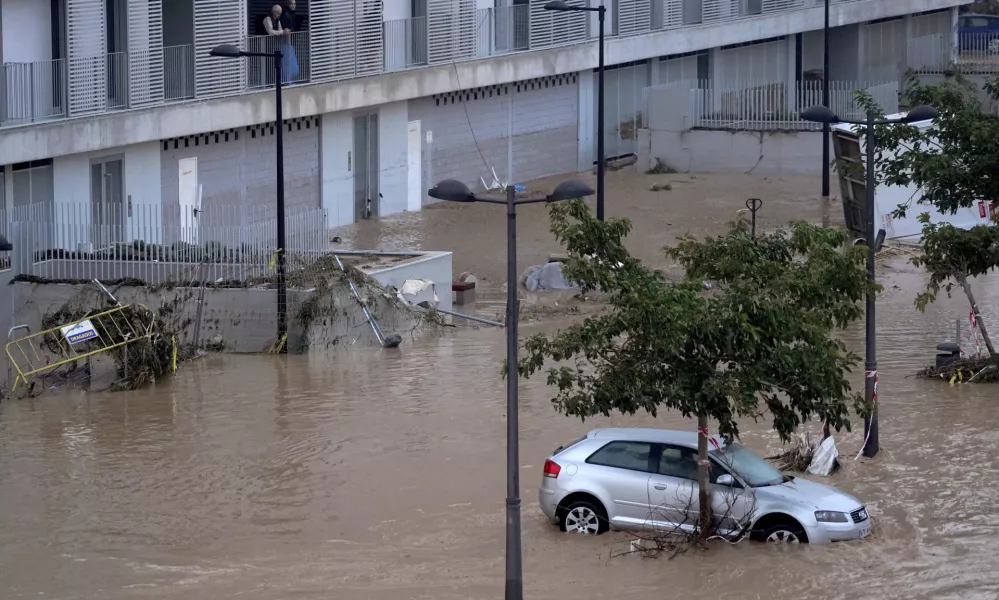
<point x="584" y="517"/>
<point x="784" y="533"/>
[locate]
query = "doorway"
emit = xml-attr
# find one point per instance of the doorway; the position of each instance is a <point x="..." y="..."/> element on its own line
<point x="366" y="196"/>
<point x="107" y="191"/>
<point x="116" y="14"/>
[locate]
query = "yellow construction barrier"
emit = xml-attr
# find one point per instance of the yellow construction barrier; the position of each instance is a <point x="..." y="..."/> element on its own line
<point x="99" y="333"/>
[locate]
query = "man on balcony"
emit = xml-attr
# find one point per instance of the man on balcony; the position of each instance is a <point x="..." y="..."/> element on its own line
<point x="275" y="25"/>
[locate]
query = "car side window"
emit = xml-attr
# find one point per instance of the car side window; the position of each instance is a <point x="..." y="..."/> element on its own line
<point x="977" y="22"/>
<point x="633" y="456"/>
<point x="677" y="461"/>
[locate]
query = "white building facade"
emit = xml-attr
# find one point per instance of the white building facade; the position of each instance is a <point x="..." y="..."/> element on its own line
<point x="117" y="103"/>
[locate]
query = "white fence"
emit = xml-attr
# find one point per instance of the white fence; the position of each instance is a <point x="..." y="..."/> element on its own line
<point x="763" y="106"/>
<point x="157" y="243"/>
<point x="975" y="53"/>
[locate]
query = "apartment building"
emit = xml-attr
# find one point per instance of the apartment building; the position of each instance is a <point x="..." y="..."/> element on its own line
<point x="117" y="103"/>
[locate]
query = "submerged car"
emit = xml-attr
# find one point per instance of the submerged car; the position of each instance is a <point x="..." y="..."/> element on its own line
<point x="646" y="479"/>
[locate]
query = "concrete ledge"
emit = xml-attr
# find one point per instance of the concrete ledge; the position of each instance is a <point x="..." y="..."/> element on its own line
<point x="87" y="134"/>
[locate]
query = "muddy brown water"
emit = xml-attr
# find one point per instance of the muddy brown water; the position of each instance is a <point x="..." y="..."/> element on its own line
<point x="380" y="475"/>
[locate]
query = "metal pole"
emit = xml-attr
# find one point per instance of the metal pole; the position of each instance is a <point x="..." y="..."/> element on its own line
<point x="825" y="126"/>
<point x="871" y="445"/>
<point x="282" y="291"/>
<point x="514" y="567"/>
<point x="601" y="158"/>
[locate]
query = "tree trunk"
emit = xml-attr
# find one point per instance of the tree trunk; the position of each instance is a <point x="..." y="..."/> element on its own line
<point x="978" y="316"/>
<point x="825" y="430"/>
<point x="703" y="468"/>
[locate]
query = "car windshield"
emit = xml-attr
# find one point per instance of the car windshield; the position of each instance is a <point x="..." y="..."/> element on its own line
<point x="756" y="471"/>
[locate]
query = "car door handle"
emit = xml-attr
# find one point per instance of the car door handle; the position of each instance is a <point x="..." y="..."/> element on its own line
<point x="660" y="486"/>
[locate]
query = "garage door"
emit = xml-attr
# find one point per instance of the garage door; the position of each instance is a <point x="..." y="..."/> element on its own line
<point x="467" y="134"/>
<point x="236" y="170"/>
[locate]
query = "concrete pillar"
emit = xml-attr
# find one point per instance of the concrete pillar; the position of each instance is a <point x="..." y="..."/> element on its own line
<point x="954" y="49"/>
<point x="587" y="151"/>
<point x="791" y="77"/>
<point x="654" y="71"/>
<point x="336" y="148"/>
<point x="393" y="157"/>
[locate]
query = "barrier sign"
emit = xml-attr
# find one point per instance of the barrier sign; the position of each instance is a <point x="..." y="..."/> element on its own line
<point x="80" y="332"/>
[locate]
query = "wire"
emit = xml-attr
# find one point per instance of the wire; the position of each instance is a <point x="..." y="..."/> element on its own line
<point x="464" y="105"/>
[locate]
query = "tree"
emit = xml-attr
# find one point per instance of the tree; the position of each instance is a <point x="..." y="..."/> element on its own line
<point x="954" y="165"/>
<point x="760" y="341"/>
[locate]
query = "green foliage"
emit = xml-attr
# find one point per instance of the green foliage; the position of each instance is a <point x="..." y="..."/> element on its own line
<point x="763" y="333"/>
<point x="951" y="254"/>
<point x="954" y="164"/>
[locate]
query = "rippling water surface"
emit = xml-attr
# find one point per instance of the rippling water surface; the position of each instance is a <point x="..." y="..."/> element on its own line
<point x="381" y="475"/>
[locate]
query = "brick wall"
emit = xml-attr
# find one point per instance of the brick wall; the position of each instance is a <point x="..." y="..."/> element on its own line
<point x="236" y="168"/>
<point x="545" y="130"/>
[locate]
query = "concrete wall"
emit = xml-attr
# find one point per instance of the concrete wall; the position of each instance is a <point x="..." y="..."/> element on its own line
<point x="705" y="151"/>
<point x="469" y="131"/>
<point x="435" y="266"/>
<point x="130" y="127"/>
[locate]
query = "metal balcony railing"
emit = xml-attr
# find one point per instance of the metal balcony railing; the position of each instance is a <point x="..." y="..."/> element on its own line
<point x="178" y="72"/>
<point x="294" y="63"/>
<point x="32" y="92"/>
<point x="405" y="43"/>
<point x="348" y="39"/>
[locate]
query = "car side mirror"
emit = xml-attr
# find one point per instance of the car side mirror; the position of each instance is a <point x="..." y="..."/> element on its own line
<point x="725" y="479"/>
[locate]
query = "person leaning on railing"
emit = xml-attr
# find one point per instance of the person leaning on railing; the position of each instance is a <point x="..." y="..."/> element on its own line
<point x="278" y="24"/>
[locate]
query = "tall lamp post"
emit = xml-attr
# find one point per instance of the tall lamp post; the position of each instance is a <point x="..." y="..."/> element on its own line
<point x="563" y="6"/>
<point x="822" y="114"/>
<point x="825" y="126"/>
<point x="230" y="51"/>
<point x="456" y="191"/>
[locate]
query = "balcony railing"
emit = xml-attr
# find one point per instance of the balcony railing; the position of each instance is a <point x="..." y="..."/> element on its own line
<point x="405" y="43"/>
<point x="294" y="64"/>
<point x="178" y="72"/>
<point x="340" y="48"/>
<point x="511" y="28"/>
<point x="32" y="92"/>
<point x="116" y="74"/>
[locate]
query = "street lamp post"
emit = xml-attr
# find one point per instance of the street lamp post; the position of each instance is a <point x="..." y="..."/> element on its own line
<point x="825" y="126"/>
<point x="230" y="51"/>
<point x="456" y="191"/>
<point x="563" y="6"/>
<point x="822" y="114"/>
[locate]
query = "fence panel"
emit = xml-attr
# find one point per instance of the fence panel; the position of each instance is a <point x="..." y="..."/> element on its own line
<point x="70" y="241"/>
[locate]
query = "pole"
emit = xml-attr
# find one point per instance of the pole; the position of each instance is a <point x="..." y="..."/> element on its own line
<point x="601" y="157"/>
<point x="826" y="208"/>
<point x="871" y="445"/>
<point x="514" y="568"/>
<point x="282" y="291"/>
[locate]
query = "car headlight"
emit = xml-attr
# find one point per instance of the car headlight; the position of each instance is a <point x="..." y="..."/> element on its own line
<point x="831" y="516"/>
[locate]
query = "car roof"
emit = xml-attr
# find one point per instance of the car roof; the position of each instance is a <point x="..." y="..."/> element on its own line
<point x="656" y="436"/>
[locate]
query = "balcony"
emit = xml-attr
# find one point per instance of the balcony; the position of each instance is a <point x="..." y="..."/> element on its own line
<point x="294" y="62"/>
<point x="405" y="43"/>
<point x="346" y="41"/>
<point x="32" y="92"/>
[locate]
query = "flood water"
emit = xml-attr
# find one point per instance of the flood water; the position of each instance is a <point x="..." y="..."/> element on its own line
<point x="381" y="475"/>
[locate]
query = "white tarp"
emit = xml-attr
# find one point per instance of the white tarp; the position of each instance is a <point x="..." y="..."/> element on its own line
<point x="546" y="277"/>
<point x="418" y="291"/>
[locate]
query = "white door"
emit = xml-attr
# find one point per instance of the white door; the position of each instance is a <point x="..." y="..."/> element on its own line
<point x="190" y="205"/>
<point x="414" y="151"/>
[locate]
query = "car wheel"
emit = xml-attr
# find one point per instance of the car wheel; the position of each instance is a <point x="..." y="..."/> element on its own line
<point x="583" y="517"/>
<point x="784" y="533"/>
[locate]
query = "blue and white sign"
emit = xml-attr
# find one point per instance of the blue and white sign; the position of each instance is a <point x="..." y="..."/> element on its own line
<point x="81" y="332"/>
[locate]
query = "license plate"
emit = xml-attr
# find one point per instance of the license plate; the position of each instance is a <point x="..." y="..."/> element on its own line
<point x="866" y="531"/>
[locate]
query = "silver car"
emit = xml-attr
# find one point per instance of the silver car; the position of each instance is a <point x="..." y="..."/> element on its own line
<point x="647" y="479"/>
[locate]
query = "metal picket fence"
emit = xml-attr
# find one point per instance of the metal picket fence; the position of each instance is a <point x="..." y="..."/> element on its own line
<point x="153" y="243"/>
